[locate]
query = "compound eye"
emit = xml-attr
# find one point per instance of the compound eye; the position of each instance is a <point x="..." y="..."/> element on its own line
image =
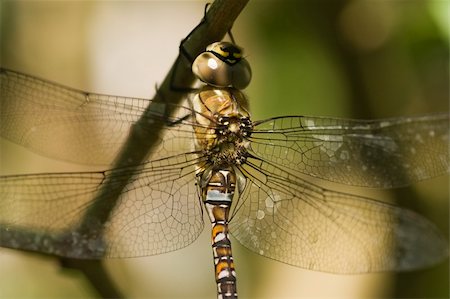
<point x="222" y="65"/>
<point x="211" y="70"/>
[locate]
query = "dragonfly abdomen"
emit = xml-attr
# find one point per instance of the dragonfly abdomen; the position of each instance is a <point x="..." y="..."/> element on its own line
<point x="223" y="260"/>
<point x="217" y="197"/>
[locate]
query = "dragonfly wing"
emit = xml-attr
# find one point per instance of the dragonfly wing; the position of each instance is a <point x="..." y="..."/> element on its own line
<point x="63" y="213"/>
<point x="288" y="219"/>
<point x="77" y="126"/>
<point x="374" y="153"/>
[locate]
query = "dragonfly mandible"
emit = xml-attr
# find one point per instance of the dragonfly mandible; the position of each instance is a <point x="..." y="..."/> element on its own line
<point x="255" y="179"/>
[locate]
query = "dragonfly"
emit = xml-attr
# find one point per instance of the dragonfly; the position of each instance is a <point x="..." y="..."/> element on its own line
<point x="260" y="181"/>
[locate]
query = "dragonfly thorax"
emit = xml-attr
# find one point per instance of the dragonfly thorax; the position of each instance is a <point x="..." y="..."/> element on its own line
<point x="231" y="142"/>
<point x="223" y="125"/>
<point x="227" y="154"/>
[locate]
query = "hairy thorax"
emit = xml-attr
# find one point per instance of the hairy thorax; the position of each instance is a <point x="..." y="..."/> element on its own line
<point x="222" y="125"/>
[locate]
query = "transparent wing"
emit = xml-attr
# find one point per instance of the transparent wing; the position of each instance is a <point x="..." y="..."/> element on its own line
<point x="370" y="153"/>
<point x="52" y="213"/>
<point x="73" y="125"/>
<point x="286" y="218"/>
<point x="65" y="213"/>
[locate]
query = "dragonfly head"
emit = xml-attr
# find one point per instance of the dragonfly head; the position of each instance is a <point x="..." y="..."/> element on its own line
<point x="222" y="65"/>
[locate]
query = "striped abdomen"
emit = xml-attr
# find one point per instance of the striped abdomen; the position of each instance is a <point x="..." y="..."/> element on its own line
<point x="217" y="197"/>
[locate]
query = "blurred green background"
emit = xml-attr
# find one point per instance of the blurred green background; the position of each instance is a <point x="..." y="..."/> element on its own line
<point x="359" y="59"/>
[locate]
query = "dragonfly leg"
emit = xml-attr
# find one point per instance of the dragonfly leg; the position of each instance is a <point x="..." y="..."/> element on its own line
<point x="178" y="121"/>
<point x="183" y="50"/>
<point x="187" y="56"/>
